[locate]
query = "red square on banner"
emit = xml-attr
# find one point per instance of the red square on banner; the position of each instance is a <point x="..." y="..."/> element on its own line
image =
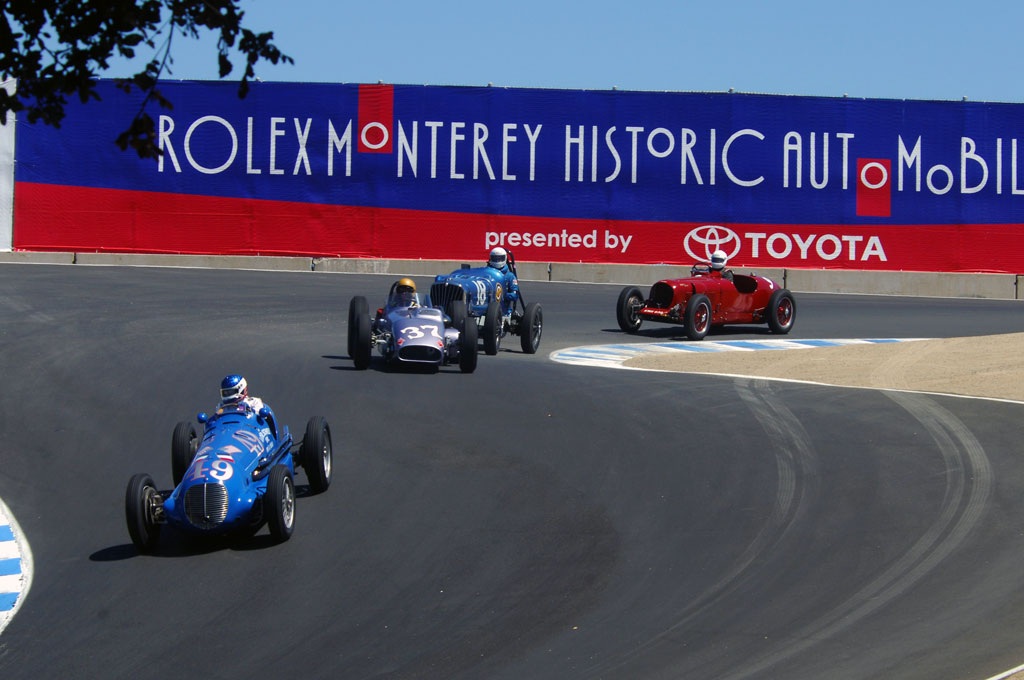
<point x="376" y="118"/>
<point x="874" y="187"/>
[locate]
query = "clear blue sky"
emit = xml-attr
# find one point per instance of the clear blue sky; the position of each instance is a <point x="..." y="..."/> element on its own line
<point x="869" y="48"/>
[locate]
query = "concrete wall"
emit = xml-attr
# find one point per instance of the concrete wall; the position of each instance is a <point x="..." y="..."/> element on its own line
<point x="923" y="284"/>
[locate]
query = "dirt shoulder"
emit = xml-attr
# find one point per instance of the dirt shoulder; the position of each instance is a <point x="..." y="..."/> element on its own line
<point x="986" y="366"/>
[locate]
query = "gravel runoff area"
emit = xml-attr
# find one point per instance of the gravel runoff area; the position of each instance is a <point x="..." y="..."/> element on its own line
<point x="985" y="366"/>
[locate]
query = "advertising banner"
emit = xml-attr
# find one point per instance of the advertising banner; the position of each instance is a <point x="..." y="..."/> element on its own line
<point x="555" y="175"/>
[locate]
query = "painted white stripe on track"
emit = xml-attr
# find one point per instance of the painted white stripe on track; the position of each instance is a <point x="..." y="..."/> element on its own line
<point x="16" y="563"/>
<point x="614" y="356"/>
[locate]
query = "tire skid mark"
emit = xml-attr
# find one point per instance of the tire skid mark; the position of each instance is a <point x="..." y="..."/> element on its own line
<point x="968" y="488"/>
<point x="797" y="480"/>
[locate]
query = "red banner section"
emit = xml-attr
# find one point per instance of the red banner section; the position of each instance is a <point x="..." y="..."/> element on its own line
<point x="59" y="218"/>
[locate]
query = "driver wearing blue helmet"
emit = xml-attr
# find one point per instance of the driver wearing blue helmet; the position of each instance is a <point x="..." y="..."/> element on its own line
<point x="235" y="390"/>
<point x="499" y="260"/>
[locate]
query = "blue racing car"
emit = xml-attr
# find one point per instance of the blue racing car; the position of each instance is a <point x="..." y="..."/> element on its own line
<point x="235" y="479"/>
<point x="490" y="296"/>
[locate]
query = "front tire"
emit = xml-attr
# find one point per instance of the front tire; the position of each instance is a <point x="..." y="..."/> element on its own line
<point x="456" y="311"/>
<point x="781" y="311"/>
<point x="140" y="501"/>
<point x="184" y="444"/>
<point x="626" y="311"/>
<point x="280" y="503"/>
<point x="492" y="328"/>
<point x="698" y="317"/>
<point x="530" y="328"/>
<point x="468" y="347"/>
<point x="359" y="333"/>
<point x="317" y="454"/>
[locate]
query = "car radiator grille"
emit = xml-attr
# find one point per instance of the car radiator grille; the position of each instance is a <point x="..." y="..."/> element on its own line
<point x="661" y="295"/>
<point x="443" y="294"/>
<point x="420" y="353"/>
<point x="206" y="505"/>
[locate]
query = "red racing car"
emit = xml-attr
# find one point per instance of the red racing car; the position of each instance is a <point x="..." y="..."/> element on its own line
<point x="709" y="297"/>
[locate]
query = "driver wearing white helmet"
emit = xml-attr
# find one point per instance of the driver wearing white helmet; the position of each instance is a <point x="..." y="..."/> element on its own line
<point x="718" y="260"/>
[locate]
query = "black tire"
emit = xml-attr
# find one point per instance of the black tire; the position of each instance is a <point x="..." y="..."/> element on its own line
<point x="184" y="443"/>
<point x="781" y="311"/>
<point x="468" y="346"/>
<point x="698" y="316"/>
<point x="456" y="311"/>
<point x="317" y="454"/>
<point x="630" y="300"/>
<point x="140" y="502"/>
<point x="492" y="328"/>
<point x="352" y="324"/>
<point x="279" y="503"/>
<point x="359" y="333"/>
<point x="530" y="328"/>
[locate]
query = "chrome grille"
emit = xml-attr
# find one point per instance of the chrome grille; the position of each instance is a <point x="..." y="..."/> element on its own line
<point x="444" y="294"/>
<point x="206" y="505"/>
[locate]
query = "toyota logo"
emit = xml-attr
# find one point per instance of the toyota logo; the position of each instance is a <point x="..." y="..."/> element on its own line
<point x="702" y="241"/>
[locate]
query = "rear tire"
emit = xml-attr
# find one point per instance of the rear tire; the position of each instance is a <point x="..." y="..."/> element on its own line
<point x="530" y="328"/>
<point x="317" y="454"/>
<point x="140" y="502"/>
<point x="280" y="503"/>
<point x="781" y="312"/>
<point x="630" y="301"/>
<point x="184" y="444"/>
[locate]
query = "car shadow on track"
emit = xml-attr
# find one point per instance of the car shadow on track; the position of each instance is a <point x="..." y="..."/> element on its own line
<point x="676" y="333"/>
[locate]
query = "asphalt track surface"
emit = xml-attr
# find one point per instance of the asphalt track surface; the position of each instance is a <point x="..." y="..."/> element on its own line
<point x="530" y="520"/>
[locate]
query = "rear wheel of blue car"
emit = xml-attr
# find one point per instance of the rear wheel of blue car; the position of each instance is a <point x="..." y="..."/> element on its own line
<point x="628" y="308"/>
<point x="359" y="332"/>
<point x="280" y="503"/>
<point x="468" y="347"/>
<point x="698" y="317"/>
<point x="492" y="328"/>
<point x="140" y="504"/>
<point x="184" y="443"/>
<point x="317" y="455"/>
<point x="530" y="327"/>
<point x="781" y="311"/>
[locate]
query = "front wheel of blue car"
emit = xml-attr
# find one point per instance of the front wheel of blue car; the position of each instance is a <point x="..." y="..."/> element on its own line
<point x="359" y="347"/>
<point x="492" y="328"/>
<point x="317" y="455"/>
<point x="468" y="347"/>
<point x="530" y="328"/>
<point x="140" y="503"/>
<point x="280" y="503"/>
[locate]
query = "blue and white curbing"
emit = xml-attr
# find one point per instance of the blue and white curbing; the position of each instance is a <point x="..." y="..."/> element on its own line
<point x="615" y="356"/>
<point x="15" y="566"/>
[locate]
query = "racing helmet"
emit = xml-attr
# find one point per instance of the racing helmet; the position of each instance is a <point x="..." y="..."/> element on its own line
<point x="233" y="388"/>
<point x="405" y="285"/>
<point x="498" y="259"/>
<point x="718" y="259"/>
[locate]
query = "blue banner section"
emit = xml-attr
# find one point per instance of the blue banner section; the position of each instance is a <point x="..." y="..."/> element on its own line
<point x="605" y="155"/>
